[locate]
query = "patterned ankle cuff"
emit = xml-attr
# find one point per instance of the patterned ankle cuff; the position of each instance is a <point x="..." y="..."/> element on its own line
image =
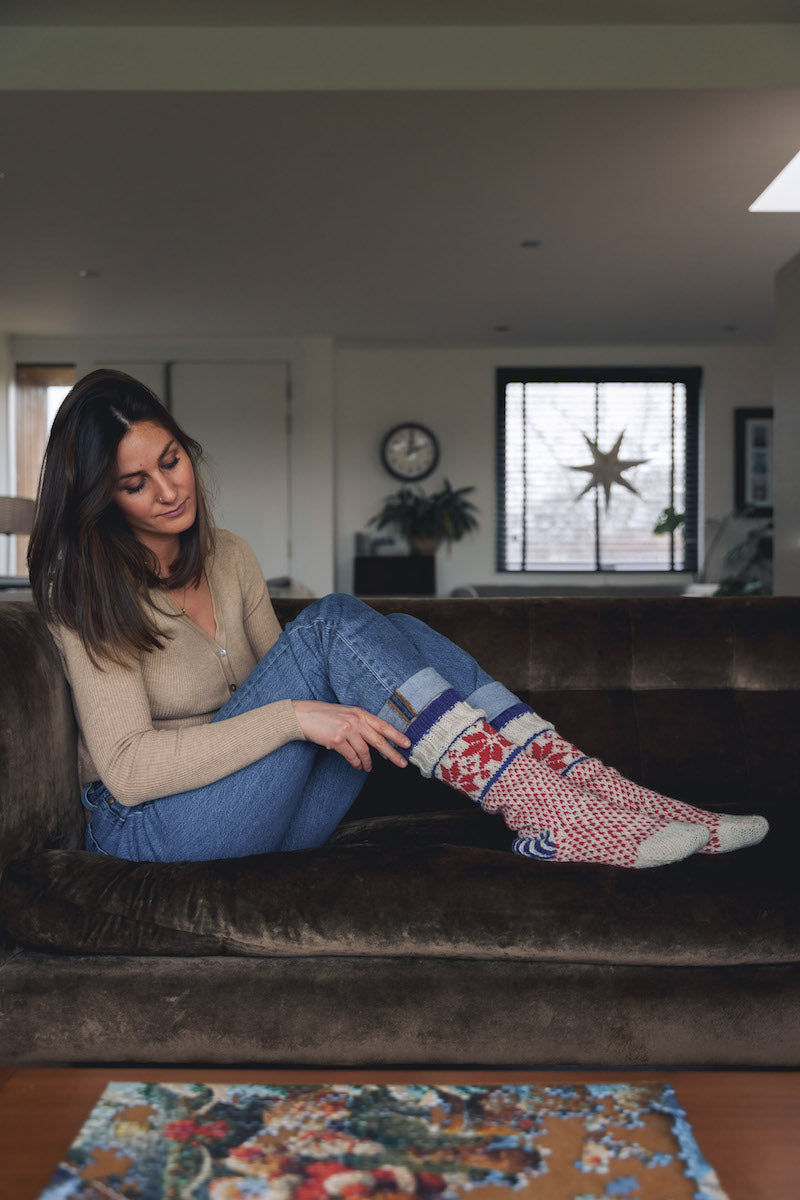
<point x="437" y="727"/>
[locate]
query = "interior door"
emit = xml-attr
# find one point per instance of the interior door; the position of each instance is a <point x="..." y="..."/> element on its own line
<point x="239" y="412"/>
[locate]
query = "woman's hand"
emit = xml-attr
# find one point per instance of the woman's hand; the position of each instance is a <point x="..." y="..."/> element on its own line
<point x="350" y="732"/>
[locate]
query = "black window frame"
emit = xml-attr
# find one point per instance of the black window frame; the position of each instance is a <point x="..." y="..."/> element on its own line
<point x="690" y="377"/>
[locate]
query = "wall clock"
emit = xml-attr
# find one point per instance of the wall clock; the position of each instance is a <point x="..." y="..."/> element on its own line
<point x="410" y="451"/>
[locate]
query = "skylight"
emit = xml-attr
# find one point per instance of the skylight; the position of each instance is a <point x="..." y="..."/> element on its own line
<point x="783" y="194"/>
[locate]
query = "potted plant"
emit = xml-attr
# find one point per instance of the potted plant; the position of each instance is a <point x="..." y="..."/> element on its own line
<point x="428" y="520"/>
<point x="751" y="560"/>
<point x="750" y="557"/>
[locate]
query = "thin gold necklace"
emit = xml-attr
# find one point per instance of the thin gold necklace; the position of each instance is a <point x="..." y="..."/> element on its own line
<point x="183" y="602"/>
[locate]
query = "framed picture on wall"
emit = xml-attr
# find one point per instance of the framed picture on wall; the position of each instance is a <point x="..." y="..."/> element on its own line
<point x="753" y="459"/>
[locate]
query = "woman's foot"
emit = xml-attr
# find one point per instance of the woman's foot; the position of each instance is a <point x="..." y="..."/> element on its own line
<point x="545" y="746"/>
<point x="669" y="843"/>
<point x="726" y="831"/>
<point x="454" y="743"/>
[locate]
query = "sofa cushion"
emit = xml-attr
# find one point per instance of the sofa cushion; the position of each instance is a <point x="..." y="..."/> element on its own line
<point x="364" y="897"/>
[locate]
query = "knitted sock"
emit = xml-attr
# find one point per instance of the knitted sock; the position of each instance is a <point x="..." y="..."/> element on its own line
<point x="455" y="743"/>
<point x="540" y="740"/>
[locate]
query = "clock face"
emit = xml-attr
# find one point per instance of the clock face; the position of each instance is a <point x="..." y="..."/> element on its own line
<point x="410" y="451"/>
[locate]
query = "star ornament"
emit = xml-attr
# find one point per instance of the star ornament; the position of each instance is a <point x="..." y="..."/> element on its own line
<point x="607" y="468"/>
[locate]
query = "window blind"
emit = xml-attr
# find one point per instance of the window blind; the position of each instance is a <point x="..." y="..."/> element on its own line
<point x="588" y="460"/>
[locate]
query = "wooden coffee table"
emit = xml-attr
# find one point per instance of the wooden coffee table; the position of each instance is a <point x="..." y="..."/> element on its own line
<point x="747" y="1123"/>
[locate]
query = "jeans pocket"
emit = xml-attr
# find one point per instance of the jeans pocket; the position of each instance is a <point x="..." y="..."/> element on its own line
<point x="106" y="819"/>
<point x="95" y="795"/>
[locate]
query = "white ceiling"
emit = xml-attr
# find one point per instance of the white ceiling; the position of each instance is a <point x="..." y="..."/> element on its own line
<point x="397" y="216"/>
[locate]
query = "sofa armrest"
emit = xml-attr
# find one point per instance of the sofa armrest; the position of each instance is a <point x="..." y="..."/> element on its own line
<point x="38" y="743"/>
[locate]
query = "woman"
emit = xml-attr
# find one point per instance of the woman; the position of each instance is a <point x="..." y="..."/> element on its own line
<point x="206" y="732"/>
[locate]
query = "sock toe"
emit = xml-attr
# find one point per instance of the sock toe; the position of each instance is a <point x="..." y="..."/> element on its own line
<point x="735" y="832"/>
<point x="671" y="843"/>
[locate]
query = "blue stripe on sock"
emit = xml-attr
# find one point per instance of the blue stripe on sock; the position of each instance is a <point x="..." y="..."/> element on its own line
<point x="503" y="767"/>
<point x="538" y="734"/>
<point x="516" y="710"/>
<point x="432" y="713"/>
<point x="583" y="758"/>
<point x="540" y="845"/>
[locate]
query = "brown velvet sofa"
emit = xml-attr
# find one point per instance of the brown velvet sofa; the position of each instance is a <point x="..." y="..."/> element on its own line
<point x="414" y="936"/>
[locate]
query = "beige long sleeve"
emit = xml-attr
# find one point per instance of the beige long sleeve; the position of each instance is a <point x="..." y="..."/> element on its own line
<point x="145" y="730"/>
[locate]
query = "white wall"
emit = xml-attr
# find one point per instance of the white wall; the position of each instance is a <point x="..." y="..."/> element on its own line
<point x="787" y="431"/>
<point x="346" y="399"/>
<point x="453" y="391"/>
<point x="6" y="378"/>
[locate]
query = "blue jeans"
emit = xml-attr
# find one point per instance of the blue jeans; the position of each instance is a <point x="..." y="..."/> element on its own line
<point x="338" y="650"/>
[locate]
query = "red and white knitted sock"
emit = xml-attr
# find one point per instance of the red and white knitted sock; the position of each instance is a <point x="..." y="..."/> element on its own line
<point x="727" y="831"/>
<point x="453" y="742"/>
<point x="541" y="741"/>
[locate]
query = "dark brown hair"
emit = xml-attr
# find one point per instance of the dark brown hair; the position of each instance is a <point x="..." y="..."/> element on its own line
<point x="88" y="571"/>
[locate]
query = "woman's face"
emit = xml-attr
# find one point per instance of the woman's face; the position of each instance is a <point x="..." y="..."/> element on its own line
<point x="155" y="488"/>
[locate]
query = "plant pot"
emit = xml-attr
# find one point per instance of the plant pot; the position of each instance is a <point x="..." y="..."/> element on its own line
<point x="423" y="545"/>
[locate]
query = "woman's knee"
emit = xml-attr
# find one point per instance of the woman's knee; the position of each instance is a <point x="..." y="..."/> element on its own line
<point x="406" y="624"/>
<point x="333" y="608"/>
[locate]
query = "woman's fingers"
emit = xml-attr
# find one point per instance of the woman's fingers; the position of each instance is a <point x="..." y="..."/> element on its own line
<point x="349" y="742"/>
<point x="362" y="729"/>
<point x="350" y="732"/>
<point x="385" y="738"/>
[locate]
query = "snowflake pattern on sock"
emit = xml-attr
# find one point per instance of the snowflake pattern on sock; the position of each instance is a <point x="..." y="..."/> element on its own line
<point x="474" y="758"/>
<point x="521" y="725"/>
<point x="550" y="748"/>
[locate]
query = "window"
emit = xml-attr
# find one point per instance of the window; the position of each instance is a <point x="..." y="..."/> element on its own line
<point x="39" y="391"/>
<point x="587" y="462"/>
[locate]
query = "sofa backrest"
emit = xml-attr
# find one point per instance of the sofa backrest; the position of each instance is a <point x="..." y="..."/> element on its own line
<point x="696" y="697"/>
<point x="39" y="799"/>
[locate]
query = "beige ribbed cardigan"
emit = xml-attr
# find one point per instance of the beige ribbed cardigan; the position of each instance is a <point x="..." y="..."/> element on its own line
<point x="144" y="730"/>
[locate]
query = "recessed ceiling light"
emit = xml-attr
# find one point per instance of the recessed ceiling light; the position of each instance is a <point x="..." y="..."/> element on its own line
<point x="530" y="244"/>
<point x="88" y="273"/>
<point x="783" y="194"/>
<point x="502" y="328"/>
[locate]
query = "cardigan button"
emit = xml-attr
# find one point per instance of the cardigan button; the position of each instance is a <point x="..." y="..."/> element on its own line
<point x="222" y="653"/>
<point x="233" y="687"/>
